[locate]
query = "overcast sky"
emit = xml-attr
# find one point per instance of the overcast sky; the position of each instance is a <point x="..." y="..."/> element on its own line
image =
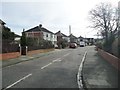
<point x="52" y="14"/>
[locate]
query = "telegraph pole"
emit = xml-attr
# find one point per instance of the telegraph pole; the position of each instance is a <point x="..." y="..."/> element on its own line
<point x="70" y="33"/>
<point x="69" y="29"/>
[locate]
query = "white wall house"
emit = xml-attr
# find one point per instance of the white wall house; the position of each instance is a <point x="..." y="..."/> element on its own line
<point x="50" y="37"/>
<point x="55" y="39"/>
<point x="40" y="32"/>
<point x="65" y="37"/>
<point x="73" y="39"/>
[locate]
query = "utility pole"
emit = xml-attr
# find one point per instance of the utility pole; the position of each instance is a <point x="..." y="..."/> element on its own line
<point x="70" y="33"/>
<point x="69" y="29"/>
<point x="85" y="40"/>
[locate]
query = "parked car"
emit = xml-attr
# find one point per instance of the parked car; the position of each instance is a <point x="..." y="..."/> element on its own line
<point x="56" y="46"/>
<point x="72" y="45"/>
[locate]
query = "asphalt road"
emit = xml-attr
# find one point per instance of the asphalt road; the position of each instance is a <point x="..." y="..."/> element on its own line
<point x="56" y="70"/>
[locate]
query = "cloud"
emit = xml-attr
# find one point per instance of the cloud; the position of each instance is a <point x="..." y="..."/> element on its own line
<point x="53" y="14"/>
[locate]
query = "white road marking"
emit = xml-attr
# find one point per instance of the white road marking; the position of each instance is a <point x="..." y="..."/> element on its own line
<point x="17" y="81"/>
<point x="46" y="66"/>
<point x="56" y="60"/>
<point x="79" y="78"/>
<point x="59" y="60"/>
<point x="66" y="54"/>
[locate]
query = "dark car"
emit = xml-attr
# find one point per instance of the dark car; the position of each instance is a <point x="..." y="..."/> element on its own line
<point x="72" y="45"/>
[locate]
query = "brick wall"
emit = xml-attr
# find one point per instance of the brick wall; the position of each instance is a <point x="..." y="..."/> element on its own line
<point x="115" y="46"/>
<point x="39" y="51"/>
<point x="113" y="60"/>
<point x="6" y="56"/>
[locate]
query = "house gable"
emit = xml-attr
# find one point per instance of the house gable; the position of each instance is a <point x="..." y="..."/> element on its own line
<point x="40" y="32"/>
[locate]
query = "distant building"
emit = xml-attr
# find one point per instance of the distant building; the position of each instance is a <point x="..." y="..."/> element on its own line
<point x="80" y="39"/>
<point x="17" y="38"/>
<point x="73" y="39"/>
<point x="89" y="41"/>
<point x="65" y="37"/>
<point x="62" y="38"/>
<point x="41" y="33"/>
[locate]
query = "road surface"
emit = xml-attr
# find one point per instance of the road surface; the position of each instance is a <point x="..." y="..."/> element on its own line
<point x="56" y="70"/>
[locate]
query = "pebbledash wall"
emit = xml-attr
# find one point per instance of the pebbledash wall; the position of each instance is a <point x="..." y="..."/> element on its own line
<point x="7" y="56"/>
<point x="113" y="60"/>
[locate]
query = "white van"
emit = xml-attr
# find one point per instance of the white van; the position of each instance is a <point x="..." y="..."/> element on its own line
<point x="82" y="43"/>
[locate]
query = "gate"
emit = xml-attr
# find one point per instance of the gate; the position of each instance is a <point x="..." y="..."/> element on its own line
<point x="23" y="50"/>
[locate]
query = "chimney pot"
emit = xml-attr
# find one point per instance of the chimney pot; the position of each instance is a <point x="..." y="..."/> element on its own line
<point x="40" y="25"/>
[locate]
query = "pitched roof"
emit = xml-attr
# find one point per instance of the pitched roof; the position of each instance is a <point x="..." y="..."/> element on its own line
<point x="64" y="35"/>
<point x="72" y="36"/>
<point x="33" y="29"/>
<point x="45" y="30"/>
<point x="37" y="28"/>
<point x="1" y="22"/>
<point x="59" y="32"/>
<point x="80" y="37"/>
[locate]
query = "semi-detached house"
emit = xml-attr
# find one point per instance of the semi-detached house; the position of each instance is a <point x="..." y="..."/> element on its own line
<point x="41" y="32"/>
<point x="62" y="36"/>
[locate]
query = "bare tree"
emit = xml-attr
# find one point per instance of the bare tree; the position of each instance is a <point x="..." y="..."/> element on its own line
<point x="104" y="19"/>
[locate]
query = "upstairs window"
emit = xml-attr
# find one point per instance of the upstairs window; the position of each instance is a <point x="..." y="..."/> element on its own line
<point x="46" y="35"/>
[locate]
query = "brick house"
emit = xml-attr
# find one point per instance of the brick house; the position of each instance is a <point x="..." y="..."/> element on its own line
<point x="62" y="37"/>
<point x="41" y="33"/>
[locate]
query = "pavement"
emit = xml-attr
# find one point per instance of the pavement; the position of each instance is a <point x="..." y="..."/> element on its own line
<point x="23" y="58"/>
<point x="97" y="72"/>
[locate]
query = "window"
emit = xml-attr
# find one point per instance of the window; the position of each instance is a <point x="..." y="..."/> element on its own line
<point x="46" y="35"/>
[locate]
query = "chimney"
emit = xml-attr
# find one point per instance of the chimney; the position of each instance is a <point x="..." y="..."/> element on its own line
<point x="40" y="25"/>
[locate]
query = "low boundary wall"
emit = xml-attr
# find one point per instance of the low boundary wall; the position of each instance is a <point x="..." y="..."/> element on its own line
<point x="6" y="56"/>
<point x="11" y="55"/>
<point x="39" y="51"/>
<point x="113" y="60"/>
